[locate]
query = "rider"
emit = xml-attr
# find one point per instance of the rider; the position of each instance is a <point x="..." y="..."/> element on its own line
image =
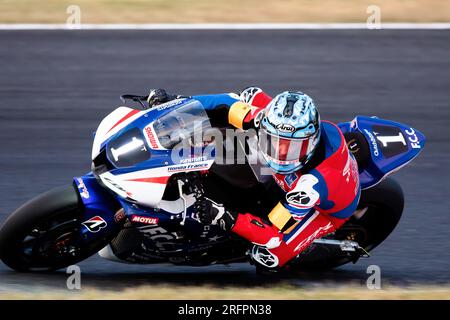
<point x="310" y="162"/>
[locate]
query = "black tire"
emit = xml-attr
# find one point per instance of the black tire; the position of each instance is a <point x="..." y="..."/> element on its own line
<point x="61" y="209"/>
<point x="385" y="204"/>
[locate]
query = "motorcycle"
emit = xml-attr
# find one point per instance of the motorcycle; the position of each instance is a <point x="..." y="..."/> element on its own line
<point x="137" y="205"/>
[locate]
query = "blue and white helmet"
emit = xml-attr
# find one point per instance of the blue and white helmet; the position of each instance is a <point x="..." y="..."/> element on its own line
<point x="289" y="131"/>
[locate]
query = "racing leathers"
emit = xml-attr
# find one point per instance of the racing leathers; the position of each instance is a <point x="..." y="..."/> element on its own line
<point x="318" y="198"/>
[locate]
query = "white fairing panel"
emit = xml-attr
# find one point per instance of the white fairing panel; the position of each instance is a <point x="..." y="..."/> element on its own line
<point x="111" y="124"/>
<point x="147" y="186"/>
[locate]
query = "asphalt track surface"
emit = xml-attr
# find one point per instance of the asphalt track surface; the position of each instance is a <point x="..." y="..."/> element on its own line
<point x="56" y="86"/>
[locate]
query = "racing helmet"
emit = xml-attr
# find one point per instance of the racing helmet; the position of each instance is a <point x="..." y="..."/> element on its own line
<point x="289" y="132"/>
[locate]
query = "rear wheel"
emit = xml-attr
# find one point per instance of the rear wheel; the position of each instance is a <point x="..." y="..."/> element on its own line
<point x="42" y="235"/>
<point x="382" y="207"/>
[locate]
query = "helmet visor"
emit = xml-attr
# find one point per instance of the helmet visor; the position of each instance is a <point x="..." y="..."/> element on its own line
<point x="286" y="150"/>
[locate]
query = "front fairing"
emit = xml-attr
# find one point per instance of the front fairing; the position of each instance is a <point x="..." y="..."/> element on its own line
<point x="134" y="156"/>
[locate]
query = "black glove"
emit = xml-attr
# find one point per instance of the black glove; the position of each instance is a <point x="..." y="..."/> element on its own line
<point x="210" y="212"/>
<point x="158" y="96"/>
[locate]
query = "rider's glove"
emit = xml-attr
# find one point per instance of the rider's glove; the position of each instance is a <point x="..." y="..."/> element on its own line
<point x="158" y="96"/>
<point x="258" y="99"/>
<point x="210" y="212"/>
<point x="247" y="94"/>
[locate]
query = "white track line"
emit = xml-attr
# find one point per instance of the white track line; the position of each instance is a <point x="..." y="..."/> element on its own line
<point x="223" y="26"/>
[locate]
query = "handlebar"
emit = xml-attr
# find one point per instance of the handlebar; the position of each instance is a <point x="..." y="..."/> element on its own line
<point x="135" y="98"/>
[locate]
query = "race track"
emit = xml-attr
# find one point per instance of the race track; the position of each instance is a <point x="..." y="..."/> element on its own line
<point x="56" y="86"/>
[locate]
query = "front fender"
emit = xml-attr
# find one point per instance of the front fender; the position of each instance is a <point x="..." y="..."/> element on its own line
<point x="100" y="218"/>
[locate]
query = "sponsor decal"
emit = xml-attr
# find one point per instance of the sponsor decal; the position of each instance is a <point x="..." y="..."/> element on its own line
<point x="144" y="220"/>
<point x="190" y="160"/>
<point x="170" y="104"/>
<point x="151" y="139"/>
<point x="373" y="142"/>
<point x="188" y="167"/>
<point x="95" y="224"/>
<point x="412" y="137"/>
<point x="285" y="128"/>
<point x="160" y="237"/>
<point x="290" y="179"/>
<point x="82" y="188"/>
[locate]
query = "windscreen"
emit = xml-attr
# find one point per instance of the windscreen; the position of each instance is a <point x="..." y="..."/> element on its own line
<point x="186" y="125"/>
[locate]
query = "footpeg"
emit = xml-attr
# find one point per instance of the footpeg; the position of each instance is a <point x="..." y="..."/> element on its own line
<point x="346" y="246"/>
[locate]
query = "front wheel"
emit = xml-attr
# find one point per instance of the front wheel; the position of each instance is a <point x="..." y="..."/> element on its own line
<point x="42" y="235"/>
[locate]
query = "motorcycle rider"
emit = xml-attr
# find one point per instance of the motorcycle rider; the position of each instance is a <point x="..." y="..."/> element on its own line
<point x="310" y="161"/>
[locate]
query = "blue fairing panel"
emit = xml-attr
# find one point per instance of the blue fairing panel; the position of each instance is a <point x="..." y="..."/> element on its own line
<point x="392" y="145"/>
<point x="98" y="202"/>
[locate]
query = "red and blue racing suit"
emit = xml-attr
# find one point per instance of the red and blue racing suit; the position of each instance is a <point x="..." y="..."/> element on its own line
<point x="318" y="199"/>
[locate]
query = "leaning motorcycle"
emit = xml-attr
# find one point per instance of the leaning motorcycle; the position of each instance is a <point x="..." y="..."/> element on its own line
<point x="137" y="203"/>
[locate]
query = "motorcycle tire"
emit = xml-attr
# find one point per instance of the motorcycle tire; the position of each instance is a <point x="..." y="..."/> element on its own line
<point x="384" y="203"/>
<point x="40" y="235"/>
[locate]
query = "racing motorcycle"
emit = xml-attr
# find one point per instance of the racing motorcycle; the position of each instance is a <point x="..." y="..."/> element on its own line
<point x="137" y="205"/>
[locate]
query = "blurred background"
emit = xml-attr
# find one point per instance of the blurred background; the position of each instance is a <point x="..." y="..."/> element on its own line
<point x="200" y="11"/>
